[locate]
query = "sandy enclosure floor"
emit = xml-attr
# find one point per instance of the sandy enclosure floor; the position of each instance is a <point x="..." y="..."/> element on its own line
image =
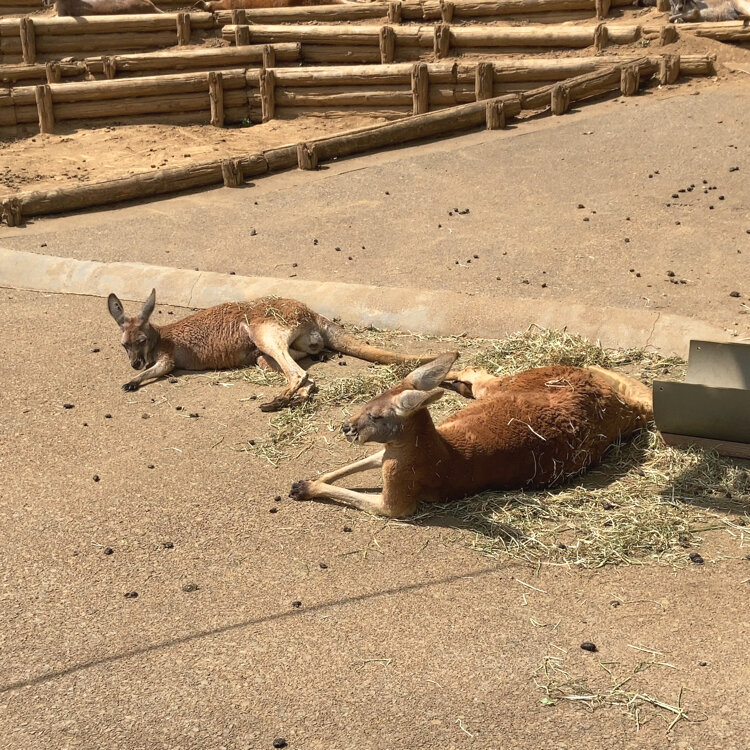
<point x="53" y="160"/>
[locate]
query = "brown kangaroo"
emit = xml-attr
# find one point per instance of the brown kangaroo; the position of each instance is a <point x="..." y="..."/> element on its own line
<point x="102" y="7"/>
<point x="530" y="430"/>
<point x="270" y="332"/>
<point x="215" y="5"/>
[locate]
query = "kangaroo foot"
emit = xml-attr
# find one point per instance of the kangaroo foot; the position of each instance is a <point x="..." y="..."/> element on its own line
<point x="131" y="386"/>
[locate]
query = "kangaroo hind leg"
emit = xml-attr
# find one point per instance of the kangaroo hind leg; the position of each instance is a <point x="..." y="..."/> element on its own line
<point x="273" y="341"/>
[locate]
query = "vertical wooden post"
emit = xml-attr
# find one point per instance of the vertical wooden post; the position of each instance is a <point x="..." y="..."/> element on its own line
<point x="601" y="37"/>
<point x="668" y="35"/>
<point x="241" y="35"/>
<point x="269" y="56"/>
<point x="394" y="11"/>
<point x="109" y="67"/>
<point x="495" y="115"/>
<point x="53" y="72"/>
<point x="420" y="88"/>
<point x="602" y="8"/>
<point x="307" y="156"/>
<point x="484" y="81"/>
<point x="10" y="211"/>
<point x="28" y="40"/>
<point x="630" y="80"/>
<point x="183" y="29"/>
<point x="387" y="39"/>
<point x="442" y="40"/>
<point x="239" y="17"/>
<point x="267" y="94"/>
<point x="446" y="11"/>
<point x="43" y="96"/>
<point x="559" y="99"/>
<point x="216" y="98"/>
<point x="669" y="68"/>
<point x="231" y="172"/>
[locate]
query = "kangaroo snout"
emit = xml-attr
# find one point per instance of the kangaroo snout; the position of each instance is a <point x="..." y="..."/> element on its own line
<point x="350" y="431"/>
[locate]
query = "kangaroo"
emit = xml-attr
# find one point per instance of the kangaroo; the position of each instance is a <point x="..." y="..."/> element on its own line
<point x="215" y="5"/>
<point x="530" y="430"/>
<point x="682" y="11"/>
<point x="270" y="332"/>
<point x="101" y="7"/>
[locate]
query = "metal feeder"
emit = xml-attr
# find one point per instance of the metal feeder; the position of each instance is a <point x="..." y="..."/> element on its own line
<point x="711" y="409"/>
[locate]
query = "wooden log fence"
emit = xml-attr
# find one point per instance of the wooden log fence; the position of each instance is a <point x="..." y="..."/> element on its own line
<point x="397" y="11"/>
<point x="490" y="113"/>
<point x="371" y="44"/>
<point x="409" y="10"/>
<point x="38" y="39"/>
<point x="259" y="95"/>
<point x="151" y="63"/>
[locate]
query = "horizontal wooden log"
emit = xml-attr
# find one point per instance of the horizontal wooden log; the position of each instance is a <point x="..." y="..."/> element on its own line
<point x="329" y="113"/>
<point x="343" y="96"/>
<point x="331" y="54"/>
<point x="319" y="13"/>
<point x="180" y="83"/>
<point x="14" y="74"/>
<point x="87" y="25"/>
<point x="197" y="58"/>
<point x="727" y="31"/>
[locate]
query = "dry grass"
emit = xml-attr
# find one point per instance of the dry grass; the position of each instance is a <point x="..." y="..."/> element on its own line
<point x="646" y="501"/>
<point x="611" y="690"/>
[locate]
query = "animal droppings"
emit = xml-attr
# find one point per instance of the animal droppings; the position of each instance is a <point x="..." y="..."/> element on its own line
<point x="670" y="273"/>
<point x="108" y="416"/>
<point x="296" y="605"/>
<point x="150" y="466"/>
<point x="95" y="351"/>
<point x="280" y="741"/>
<point x="108" y="551"/>
<point x="347" y="529"/>
<point x="589" y="646"/>
<point x="277" y="499"/>
<point x="168" y="545"/>
<point x="96" y="477"/>
<point x="190" y="587"/>
<point x="615" y="603"/>
<point x="273" y="510"/>
<point x="194" y="415"/>
<point x="721" y="197"/>
<point x="580" y="205"/>
<point x="68" y="406"/>
<point x="734" y="294"/>
<point x="696" y="558"/>
<point x="323" y="566"/>
<point x="173" y="380"/>
<point x="131" y="595"/>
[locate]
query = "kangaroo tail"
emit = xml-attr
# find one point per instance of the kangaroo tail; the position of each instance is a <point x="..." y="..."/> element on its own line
<point x="629" y="389"/>
<point x="338" y="339"/>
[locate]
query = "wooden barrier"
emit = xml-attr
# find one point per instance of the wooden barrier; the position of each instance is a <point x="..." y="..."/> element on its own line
<point x="430" y="10"/>
<point x="370" y="43"/>
<point x="259" y="95"/>
<point x="490" y="113"/>
<point x="10" y="8"/>
<point x="149" y="63"/>
<point x="36" y="39"/>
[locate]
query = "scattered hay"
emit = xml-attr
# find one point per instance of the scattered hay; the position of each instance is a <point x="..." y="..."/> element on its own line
<point x="647" y="501"/>
<point x="558" y="685"/>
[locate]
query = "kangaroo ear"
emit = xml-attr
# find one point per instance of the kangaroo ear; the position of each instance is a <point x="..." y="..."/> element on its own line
<point x="432" y="374"/>
<point x="148" y="308"/>
<point x="407" y="402"/>
<point x="115" y="309"/>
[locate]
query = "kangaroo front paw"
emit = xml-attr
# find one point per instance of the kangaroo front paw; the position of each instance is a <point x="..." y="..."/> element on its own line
<point x="301" y="490"/>
<point x="131" y="386"/>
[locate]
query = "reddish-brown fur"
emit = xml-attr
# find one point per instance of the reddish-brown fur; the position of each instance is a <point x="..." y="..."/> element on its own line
<point x="215" y="5"/>
<point x="531" y="430"/>
<point x="271" y="332"/>
<point x="103" y="7"/>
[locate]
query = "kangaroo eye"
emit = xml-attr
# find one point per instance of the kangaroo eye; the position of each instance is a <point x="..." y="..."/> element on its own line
<point x="376" y="417"/>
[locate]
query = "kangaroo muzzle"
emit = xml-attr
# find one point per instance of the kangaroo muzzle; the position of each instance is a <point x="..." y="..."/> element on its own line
<point x="350" y="432"/>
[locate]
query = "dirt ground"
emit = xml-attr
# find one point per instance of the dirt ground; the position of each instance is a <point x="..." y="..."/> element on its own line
<point x="45" y="161"/>
<point x="403" y="636"/>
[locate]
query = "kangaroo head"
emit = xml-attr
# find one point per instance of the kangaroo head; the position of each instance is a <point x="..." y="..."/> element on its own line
<point x="139" y="337"/>
<point x="384" y="418"/>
